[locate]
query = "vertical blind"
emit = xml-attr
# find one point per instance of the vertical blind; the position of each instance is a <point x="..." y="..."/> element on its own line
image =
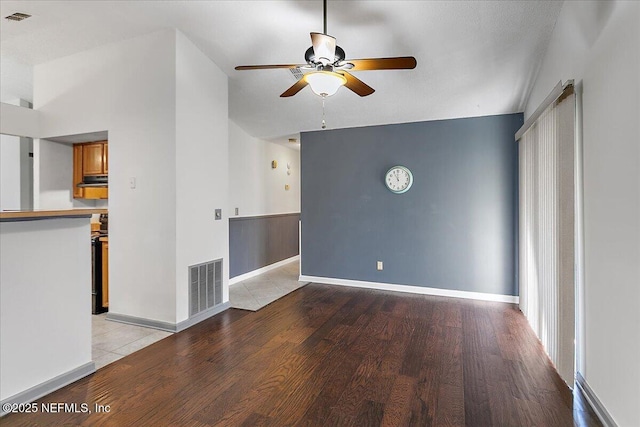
<point x="546" y="231"/>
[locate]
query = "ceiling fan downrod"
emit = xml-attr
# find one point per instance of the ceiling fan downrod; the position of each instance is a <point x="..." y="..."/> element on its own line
<point x="324" y="7"/>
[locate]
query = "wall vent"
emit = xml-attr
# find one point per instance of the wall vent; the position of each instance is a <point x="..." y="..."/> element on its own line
<point x="17" y="16"/>
<point x="205" y="286"/>
<point x="297" y="73"/>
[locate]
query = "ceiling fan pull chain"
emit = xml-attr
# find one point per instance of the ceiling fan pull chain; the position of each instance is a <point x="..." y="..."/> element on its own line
<point x="324" y="124"/>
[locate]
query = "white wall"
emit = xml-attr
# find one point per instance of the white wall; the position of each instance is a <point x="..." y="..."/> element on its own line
<point x="53" y="173"/>
<point x="26" y="173"/>
<point x="45" y="301"/>
<point x="254" y="187"/>
<point x="128" y="89"/>
<point x="164" y="104"/>
<point x="201" y="167"/>
<point x="9" y="172"/>
<point x="16" y="173"/>
<point x="19" y="121"/>
<point x="598" y="45"/>
<point x="16" y="80"/>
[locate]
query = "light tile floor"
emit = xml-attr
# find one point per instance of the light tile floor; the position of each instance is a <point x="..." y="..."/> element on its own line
<point x="113" y="340"/>
<point x="253" y="294"/>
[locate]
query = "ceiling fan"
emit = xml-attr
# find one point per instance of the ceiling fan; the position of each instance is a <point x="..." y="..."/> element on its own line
<point x="327" y="70"/>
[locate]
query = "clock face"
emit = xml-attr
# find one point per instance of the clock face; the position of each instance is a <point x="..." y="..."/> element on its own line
<point x="398" y="179"/>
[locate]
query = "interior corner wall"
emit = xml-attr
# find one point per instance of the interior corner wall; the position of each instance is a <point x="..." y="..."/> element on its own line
<point x="55" y="176"/>
<point x="202" y="140"/>
<point x="255" y="188"/>
<point x="454" y="229"/>
<point x="598" y="45"/>
<point x="127" y="88"/>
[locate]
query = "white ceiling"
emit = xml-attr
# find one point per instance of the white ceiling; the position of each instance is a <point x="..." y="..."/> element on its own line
<point x="475" y="58"/>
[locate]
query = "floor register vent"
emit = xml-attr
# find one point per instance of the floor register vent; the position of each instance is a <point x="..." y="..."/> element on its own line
<point x="205" y="286"/>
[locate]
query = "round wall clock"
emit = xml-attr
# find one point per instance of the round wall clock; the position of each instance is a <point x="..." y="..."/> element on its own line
<point x="398" y="179"/>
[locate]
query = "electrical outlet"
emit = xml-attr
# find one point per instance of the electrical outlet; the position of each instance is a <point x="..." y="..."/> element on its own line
<point x="379" y="265"/>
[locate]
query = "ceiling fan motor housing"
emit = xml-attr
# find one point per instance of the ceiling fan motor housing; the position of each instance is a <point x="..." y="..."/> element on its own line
<point x="310" y="56"/>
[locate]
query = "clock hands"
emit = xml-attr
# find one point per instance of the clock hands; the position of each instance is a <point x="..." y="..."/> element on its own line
<point x="403" y="179"/>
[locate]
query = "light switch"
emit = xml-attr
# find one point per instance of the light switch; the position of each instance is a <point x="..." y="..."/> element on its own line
<point x="379" y="265"/>
<point x="237" y="211"/>
<point x="218" y="214"/>
<point x="132" y="182"/>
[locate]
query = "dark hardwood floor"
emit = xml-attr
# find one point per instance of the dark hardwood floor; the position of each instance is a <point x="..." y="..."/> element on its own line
<point x="331" y="356"/>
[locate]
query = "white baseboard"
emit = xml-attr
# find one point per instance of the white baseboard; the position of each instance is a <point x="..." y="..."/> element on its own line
<point x="203" y="315"/>
<point x="262" y="270"/>
<point x="597" y="406"/>
<point x="412" y="289"/>
<point x="166" y="326"/>
<point x="49" y="386"/>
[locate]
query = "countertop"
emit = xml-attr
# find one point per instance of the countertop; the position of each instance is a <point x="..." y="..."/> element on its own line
<point x="33" y="215"/>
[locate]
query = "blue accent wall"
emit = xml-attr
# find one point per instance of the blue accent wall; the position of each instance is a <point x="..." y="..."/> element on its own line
<point x="454" y="229"/>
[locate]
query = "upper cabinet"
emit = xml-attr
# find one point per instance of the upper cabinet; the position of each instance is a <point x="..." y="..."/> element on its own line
<point x="78" y="192"/>
<point x="91" y="158"/>
<point x="105" y="158"/>
<point x="94" y="158"/>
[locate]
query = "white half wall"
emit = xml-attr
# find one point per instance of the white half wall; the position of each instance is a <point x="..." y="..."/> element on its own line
<point x="19" y="121"/>
<point x="254" y="187"/>
<point x="201" y="167"/>
<point x="127" y="88"/>
<point x="45" y="301"/>
<point x="598" y="45"/>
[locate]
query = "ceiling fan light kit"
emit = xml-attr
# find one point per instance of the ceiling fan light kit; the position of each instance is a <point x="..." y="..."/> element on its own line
<point x="324" y="83"/>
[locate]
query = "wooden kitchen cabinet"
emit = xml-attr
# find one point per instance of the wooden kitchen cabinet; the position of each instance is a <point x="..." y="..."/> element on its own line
<point x="105" y="271"/>
<point x="78" y="192"/>
<point x="90" y="158"/>
<point x="105" y="158"/>
<point x="93" y="158"/>
<point x="96" y="193"/>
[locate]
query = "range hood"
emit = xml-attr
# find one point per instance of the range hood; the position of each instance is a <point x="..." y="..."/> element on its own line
<point x="94" y="181"/>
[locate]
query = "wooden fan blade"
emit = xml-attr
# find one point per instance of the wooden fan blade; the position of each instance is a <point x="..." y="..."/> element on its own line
<point x="357" y="85"/>
<point x="297" y="87"/>
<point x="397" y="63"/>
<point x="267" y="67"/>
